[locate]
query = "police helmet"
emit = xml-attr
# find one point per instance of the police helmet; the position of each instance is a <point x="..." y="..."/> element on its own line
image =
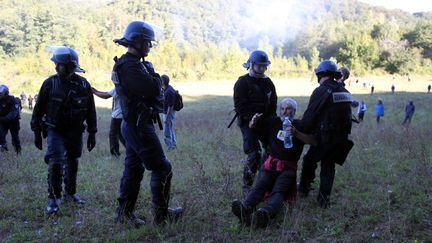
<point x="136" y="32"/>
<point x="67" y="55"/>
<point x="328" y="67"/>
<point x="257" y="57"/>
<point x="4" y="90"/>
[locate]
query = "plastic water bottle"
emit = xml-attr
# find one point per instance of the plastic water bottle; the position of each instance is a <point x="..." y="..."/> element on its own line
<point x="288" y="138"/>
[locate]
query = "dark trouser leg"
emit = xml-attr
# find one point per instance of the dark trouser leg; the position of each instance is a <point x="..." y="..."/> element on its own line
<point x="55" y="157"/>
<point x="122" y="140"/>
<point x="378" y="119"/>
<point x="54" y="178"/>
<point x="70" y="176"/>
<point x="131" y="180"/>
<point x="265" y="182"/>
<point x="310" y="161"/>
<point x="73" y="144"/>
<point x="252" y="148"/>
<point x="143" y="148"/>
<point x="3" y="132"/>
<point x="160" y="185"/>
<point x="281" y="188"/>
<point x="14" y="130"/>
<point x="326" y="182"/>
<point x="361" y="116"/>
<point x="114" y="135"/>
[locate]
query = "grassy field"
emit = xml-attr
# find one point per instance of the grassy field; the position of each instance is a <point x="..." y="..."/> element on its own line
<point x="382" y="193"/>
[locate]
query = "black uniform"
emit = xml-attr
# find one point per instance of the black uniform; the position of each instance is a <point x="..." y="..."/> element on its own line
<point x="139" y="90"/>
<point x="9" y="121"/>
<point x="276" y="179"/>
<point x="253" y="95"/>
<point x="328" y="116"/>
<point x="61" y="109"/>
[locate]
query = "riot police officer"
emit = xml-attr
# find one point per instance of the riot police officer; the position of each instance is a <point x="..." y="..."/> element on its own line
<point x="328" y="116"/>
<point x="141" y="100"/>
<point x="254" y="92"/>
<point x="65" y="102"/>
<point x="9" y="119"/>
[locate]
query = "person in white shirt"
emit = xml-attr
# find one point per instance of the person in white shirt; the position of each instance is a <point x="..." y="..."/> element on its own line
<point x="115" y="133"/>
<point x="361" y="110"/>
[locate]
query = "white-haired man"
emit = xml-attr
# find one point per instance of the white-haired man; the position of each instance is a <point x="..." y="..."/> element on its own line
<point x="277" y="178"/>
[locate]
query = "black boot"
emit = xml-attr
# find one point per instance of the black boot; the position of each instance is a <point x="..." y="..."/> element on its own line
<point x="53" y="205"/>
<point x="3" y="148"/>
<point x="162" y="216"/>
<point x="261" y="218"/>
<point x="174" y="214"/>
<point x="17" y="149"/>
<point x="127" y="217"/>
<point x="303" y="190"/>
<point x="74" y="198"/>
<point x="242" y="213"/>
<point x="323" y="200"/>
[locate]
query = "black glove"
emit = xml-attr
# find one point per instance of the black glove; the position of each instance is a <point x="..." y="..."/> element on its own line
<point x="2" y="119"/>
<point x="91" y="141"/>
<point x="38" y="139"/>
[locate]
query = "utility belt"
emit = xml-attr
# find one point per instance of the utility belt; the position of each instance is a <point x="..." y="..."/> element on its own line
<point x="143" y="114"/>
<point x="61" y="124"/>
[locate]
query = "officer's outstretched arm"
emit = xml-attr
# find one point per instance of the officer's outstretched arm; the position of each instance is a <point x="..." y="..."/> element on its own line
<point x="306" y="138"/>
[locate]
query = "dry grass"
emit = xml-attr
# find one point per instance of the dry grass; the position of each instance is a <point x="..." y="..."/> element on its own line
<point x="207" y="176"/>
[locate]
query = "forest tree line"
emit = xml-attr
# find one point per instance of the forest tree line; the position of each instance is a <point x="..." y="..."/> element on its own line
<point x="207" y="40"/>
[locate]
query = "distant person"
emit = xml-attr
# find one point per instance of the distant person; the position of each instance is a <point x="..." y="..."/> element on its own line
<point x="429" y="88"/>
<point x="392" y="88"/>
<point x="277" y="176"/>
<point x="23" y="98"/>
<point x="372" y="89"/>
<point x="409" y="112"/>
<point x="9" y="119"/>
<point x="361" y="110"/>
<point x="254" y="92"/>
<point x="345" y="75"/>
<point x="379" y="110"/>
<point x="30" y="102"/>
<point x="116" y="120"/>
<point x="169" y="113"/>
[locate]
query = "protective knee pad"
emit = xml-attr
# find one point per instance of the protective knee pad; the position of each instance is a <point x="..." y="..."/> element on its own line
<point x="166" y="170"/>
<point x="55" y="179"/>
<point x="70" y="175"/>
<point x="161" y="184"/>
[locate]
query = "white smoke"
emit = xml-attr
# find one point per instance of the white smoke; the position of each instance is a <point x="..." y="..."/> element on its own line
<point x="275" y="21"/>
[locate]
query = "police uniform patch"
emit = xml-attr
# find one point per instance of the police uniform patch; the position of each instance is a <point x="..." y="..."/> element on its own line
<point x="342" y="97"/>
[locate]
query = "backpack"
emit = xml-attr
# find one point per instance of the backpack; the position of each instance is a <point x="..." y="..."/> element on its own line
<point x="178" y="101"/>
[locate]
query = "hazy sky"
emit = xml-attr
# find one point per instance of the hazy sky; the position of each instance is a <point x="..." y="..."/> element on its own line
<point x="407" y="5"/>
